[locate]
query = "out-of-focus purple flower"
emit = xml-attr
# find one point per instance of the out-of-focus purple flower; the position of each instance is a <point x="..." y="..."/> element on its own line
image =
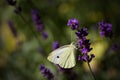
<point x="44" y="35"/>
<point x="105" y="29"/>
<point x="73" y="23"/>
<point x="36" y="19"/>
<point x="55" y="45"/>
<point x="46" y="73"/>
<point x="11" y="2"/>
<point x="18" y="10"/>
<point x="11" y="26"/>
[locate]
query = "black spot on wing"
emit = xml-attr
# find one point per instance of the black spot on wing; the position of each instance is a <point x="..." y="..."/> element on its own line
<point x="57" y="56"/>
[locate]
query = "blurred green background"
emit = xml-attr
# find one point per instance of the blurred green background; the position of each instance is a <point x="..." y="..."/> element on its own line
<point x="21" y="56"/>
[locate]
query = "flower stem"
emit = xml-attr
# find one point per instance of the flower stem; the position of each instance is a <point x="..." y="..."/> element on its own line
<point x="91" y="70"/>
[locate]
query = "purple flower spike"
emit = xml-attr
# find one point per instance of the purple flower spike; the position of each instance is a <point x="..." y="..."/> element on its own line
<point x="73" y="24"/>
<point x="83" y="45"/>
<point x="36" y="20"/>
<point x="105" y="29"/>
<point x="55" y="45"/>
<point x="46" y="72"/>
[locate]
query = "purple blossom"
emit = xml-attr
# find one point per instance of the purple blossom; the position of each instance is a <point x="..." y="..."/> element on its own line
<point x="73" y="23"/>
<point x="36" y="19"/>
<point x="11" y="2"/>
<point x="86" y="58"/>
<point x="46" y="72"/>
<point x="55" y="45"/>
<point x="84" y="50"/>
<point x="44" y="35"/>
<point x="83" y="45"/>
<point x="81" y="33"/>
<point x="105" y="29"/>
<point x="11" y="26"/>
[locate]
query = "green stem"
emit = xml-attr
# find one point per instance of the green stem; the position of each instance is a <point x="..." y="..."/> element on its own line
<point x="91" y="70"/>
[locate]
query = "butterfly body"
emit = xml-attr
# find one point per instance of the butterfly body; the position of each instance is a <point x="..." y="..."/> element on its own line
<point x="63" y="56"/>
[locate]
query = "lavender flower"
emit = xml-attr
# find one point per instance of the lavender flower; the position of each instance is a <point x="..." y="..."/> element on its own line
<point x="46" y="72"/>
<point x="36" y="20"/>
<point x="11" y="26"/>
<point x="44" y="35"/>
<point x="81" y="33"/>
<point x="83" y="45"/>
<point x="105" y="29"/>
<point x="73" y="23"/>
<point x="86" y="58"/>
<point x="11" y="2"/>
<point x="55" y="45"/>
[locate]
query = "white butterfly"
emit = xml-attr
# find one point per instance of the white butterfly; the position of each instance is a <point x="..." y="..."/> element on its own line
<point x="63" y="56"/>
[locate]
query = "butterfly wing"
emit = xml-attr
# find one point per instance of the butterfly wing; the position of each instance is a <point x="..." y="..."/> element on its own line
<point x="54" y="56"/>
<point x="64" y="56"/>
<point x="67" y="59"/>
